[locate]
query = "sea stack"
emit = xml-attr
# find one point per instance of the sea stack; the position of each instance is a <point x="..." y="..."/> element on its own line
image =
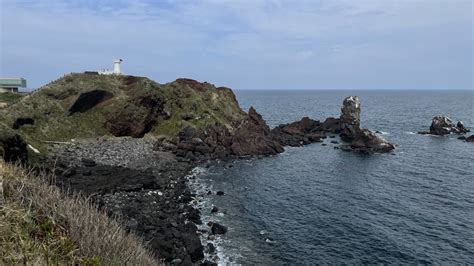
<point x="350" y="118"/>
<point x="361" y="140"/>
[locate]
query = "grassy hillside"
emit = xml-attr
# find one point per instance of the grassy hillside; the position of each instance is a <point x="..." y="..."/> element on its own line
<point x="41" y="226"/>
<point x="85" y="105"/>
<point x="9" y="97"/>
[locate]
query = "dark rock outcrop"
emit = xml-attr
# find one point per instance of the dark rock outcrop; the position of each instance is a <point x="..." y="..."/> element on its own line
<point x="366" y="141"/>
<point x="361" y="140"/>
<point x="88" y="100"/>
<point x="350" y="118"/>
<point x="19" y="122"/>
<point x="153" y="203"/>
<point x="12" y="146"/>
<point x="443" y="125"/>
<point x="470" y="138"/>
<point x="305" y="131"/>
<point x="218" y="229"/>
<point x="137" y="117"/>
<point x="347" y="126"/>
<point x="251" y="137"/>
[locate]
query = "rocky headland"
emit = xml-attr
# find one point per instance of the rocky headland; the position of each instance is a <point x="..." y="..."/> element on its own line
<point x="129" y="144"/>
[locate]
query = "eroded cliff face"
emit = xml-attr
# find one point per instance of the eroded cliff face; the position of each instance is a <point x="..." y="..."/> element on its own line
<point x="251" y="137"/>
<point x="86" y="105"/>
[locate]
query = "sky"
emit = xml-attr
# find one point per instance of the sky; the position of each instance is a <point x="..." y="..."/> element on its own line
<point x="245" y="44"/>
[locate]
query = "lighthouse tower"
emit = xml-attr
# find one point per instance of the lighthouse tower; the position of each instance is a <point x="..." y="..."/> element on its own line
<point x="117" y="63"/>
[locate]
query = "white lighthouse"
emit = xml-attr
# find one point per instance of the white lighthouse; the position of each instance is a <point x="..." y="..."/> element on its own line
<point x="116" y="71"/>
<point x="117" y="63"/>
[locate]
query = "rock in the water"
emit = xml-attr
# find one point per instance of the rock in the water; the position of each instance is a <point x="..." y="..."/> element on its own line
<point x="305" y="131"/>
<point x="367" y="141"/>
<point x="443" y="125"/>
<point x="220" y="193"/>
<point x="470" y="138"/>
<point x="211" y="248"/>
<point x="218" y="229"/>
<point x="214" y="209"/>
<point x="362" y="140"/>
<point x="350" y="118"/>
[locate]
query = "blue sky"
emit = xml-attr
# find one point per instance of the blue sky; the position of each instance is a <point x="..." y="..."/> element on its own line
<point x="246" y="44"/>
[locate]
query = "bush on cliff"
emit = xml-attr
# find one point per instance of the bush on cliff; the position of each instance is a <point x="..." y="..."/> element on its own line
<point x="40" y="225"/>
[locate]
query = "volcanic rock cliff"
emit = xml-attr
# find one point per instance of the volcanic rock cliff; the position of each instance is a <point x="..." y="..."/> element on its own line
<point x="85" y="105"/>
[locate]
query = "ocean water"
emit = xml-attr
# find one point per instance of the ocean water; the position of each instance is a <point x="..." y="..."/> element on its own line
<point x="317" y="204"/>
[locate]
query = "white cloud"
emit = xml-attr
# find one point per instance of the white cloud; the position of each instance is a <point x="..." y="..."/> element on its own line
<point x="216" y="40"/>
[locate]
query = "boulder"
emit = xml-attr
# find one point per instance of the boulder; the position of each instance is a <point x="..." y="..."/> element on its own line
<point x="366" y="141"/>
<point x="218" y="229"/>
<point x="470" y="138"/>
<point x="443" y="125"/>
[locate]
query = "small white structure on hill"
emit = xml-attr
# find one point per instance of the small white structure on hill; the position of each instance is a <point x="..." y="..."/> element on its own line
<point x="117" y="63"/>
<point x="116" y="71"/>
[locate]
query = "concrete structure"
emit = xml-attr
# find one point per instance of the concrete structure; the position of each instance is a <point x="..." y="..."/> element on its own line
<point x="11" y="84"/>
<point x="116" y="71"/>
<point x="117" y="63"/>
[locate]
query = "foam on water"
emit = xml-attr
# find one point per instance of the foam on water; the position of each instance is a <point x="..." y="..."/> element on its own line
<point x="204" y="204"/>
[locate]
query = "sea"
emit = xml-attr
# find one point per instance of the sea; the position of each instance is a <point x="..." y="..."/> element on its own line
<point x="320" y="205"/>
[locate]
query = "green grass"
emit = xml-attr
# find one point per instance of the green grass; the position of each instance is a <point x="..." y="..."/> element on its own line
<point x="10" y="97"/>
<point x="39" y="225"/>
<point x="49" y="107"/>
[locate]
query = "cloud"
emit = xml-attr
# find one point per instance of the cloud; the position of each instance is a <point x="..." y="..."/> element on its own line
<point x="245" y="44"/>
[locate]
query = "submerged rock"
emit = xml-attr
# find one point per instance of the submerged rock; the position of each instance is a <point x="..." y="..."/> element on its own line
<point x="443" y="125"/>
<point x="470" y="138"/>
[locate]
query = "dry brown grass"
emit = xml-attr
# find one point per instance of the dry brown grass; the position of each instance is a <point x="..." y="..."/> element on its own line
<point x="41" y="225"/>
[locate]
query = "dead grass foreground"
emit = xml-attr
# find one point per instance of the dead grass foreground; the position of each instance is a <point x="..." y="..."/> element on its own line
<point x="40" y="225"/>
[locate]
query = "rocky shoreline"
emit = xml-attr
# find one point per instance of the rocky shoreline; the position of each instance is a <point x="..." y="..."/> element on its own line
<point x="144" y="180"/>
<point x="147" y="189"/>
